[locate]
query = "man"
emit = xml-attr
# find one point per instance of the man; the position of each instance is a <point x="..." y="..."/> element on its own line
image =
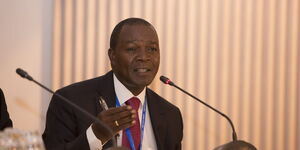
<point x="152" y="122"/>
<point x="4" y="116"/>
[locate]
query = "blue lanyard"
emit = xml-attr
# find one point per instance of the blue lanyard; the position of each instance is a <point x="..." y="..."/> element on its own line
<point x="128" y="133"/>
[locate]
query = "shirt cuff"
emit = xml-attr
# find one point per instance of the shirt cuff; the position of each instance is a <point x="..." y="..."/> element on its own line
<point x="94" y="142"/>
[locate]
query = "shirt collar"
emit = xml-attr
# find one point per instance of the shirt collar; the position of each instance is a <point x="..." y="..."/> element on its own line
<point x="124" y="94"/>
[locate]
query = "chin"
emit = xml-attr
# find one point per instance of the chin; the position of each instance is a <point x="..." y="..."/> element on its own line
<point x="144" y="83"/>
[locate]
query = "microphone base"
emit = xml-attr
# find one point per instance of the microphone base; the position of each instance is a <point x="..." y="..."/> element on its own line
<point x="236" y="145"/>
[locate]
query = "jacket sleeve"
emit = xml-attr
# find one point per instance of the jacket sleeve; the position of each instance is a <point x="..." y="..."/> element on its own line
<point x="61" y="132"/>
<point x="5" y="121"/>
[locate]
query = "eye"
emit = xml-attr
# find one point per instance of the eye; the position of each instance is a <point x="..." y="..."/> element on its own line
<point x="130" y="49"/>
<point x="152" y="49"/>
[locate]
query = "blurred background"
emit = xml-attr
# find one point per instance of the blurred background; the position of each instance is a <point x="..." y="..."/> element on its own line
<point x="240" y="56"/>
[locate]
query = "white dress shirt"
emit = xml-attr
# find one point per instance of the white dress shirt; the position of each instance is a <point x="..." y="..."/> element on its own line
<point x="123" y="95"/>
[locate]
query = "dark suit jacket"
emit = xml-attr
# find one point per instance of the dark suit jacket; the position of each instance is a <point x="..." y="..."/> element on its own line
<point x="4" y="116"/>
<point x="66" y="127"/>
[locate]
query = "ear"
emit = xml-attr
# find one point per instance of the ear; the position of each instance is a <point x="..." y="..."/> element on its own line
<point x="111" y="55"/>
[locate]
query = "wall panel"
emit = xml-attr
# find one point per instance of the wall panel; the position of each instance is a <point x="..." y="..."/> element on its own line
<point x="240" y="56"/>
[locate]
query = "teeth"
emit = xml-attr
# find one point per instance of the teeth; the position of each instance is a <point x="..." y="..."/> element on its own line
<point x="141" y="70"/>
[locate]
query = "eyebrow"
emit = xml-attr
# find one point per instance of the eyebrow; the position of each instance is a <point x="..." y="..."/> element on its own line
<point x="132" y="41"/>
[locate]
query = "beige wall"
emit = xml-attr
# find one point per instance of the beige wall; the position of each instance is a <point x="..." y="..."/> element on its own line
<point x="25" y="42"/>
<point x="241" y="56"/>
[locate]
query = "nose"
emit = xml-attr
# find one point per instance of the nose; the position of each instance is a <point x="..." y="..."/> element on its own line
<point x="143" y="55"/>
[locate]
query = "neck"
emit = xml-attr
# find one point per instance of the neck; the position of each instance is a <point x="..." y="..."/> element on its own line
<point x="135" y="91"/>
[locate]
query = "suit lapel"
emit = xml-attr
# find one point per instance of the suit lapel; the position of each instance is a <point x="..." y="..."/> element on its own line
<point x="157" y="118"/>
<point x="106" y="90"/>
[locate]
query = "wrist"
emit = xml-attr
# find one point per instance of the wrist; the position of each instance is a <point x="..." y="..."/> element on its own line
<point x="97" y="132"/>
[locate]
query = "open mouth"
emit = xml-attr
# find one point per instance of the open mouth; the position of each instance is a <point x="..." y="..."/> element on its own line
<point x="141" y="70"/>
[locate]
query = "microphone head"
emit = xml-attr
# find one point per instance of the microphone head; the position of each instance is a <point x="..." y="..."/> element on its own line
<point x="166" y="80"/>
<point x="23" y="74"/>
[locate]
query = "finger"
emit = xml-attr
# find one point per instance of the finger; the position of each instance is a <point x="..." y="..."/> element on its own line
<point x="115" y="110"/>
<point x="105" y="115"/>
<point x="125" y="125"/>
<point x="125" y="114"/>
<point x="126" y="120"/>
<point x="110" y="119"/>
<point x="120" y="121"/>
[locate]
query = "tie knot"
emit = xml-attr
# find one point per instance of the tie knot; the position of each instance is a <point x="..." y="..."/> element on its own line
<point x="134" y="102"/>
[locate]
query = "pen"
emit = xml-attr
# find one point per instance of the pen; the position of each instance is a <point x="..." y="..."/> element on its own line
<point x="103" y="103"/>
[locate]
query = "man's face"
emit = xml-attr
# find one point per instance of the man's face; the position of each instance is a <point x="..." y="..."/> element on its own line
<point x="135" y="59"/>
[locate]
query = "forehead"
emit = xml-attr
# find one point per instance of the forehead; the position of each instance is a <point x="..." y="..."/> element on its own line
<point x="142" y="33"/>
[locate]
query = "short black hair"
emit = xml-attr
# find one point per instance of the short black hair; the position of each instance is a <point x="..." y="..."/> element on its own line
<point x="130" y="21"/>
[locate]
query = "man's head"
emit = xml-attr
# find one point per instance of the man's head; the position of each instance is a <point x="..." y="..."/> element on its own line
<point x="134" y="53"/>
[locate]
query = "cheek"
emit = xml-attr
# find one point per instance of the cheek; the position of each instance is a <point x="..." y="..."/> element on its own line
<point x="123" y="62"/>
<point x="156" y="60"/>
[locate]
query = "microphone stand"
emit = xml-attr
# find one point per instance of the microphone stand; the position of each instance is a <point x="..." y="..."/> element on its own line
<point x="235" y="144"/>
<point x="25" y="75"/>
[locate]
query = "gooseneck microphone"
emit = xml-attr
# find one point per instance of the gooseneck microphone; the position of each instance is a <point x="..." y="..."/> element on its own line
<point x="169" y="82"/>
<point x="25" y="75"/>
